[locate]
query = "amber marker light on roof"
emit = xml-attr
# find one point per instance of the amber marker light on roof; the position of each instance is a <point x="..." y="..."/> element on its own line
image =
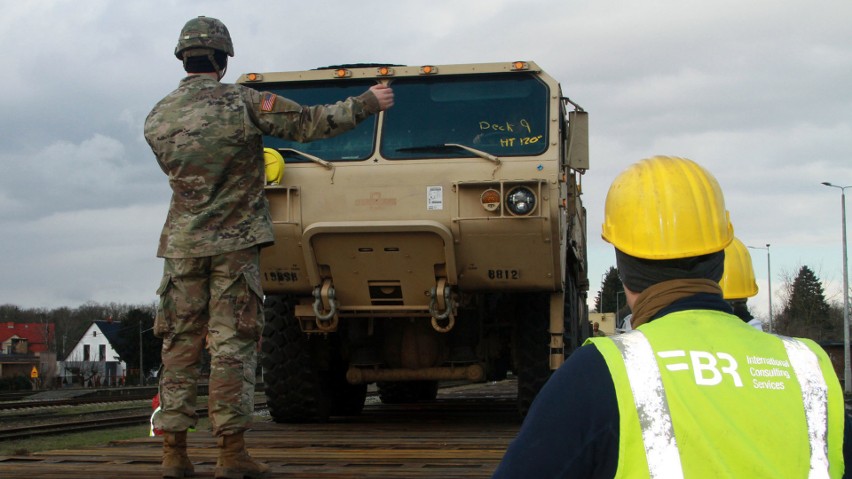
<point x="428" y="69"/>
<point x="342" y="73"/>
<point x="490" y="199"/>
<point x="385" y="71"/>
<point x="520" y="66"/>
<point x="254" y="77"/>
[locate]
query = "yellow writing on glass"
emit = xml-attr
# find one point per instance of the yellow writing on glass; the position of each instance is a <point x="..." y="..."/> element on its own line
<point x="505" y="132"/>
<point x="524" y="140"/>
<point x="506" y="126"/>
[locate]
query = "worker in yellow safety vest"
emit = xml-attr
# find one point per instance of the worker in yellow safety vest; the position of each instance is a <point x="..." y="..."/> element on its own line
<point x="692" y="391"/>
<point x="738" y="282"/>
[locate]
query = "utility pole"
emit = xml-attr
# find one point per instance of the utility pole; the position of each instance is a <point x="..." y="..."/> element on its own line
<point x="771" y="326"/>
<point x="140" y="354"/>
<point x="847" y="370"/>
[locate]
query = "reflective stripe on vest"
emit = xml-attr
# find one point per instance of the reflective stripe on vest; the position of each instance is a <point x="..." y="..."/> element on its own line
<point x="815" y="398"/>
<point x="655" y="418"/>
<point x="651" y="404"/>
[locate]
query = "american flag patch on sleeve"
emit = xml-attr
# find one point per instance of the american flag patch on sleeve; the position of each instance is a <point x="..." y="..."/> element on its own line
<point x="267" y="102"/>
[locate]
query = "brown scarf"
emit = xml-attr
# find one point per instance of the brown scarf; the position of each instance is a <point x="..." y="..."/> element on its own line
<point x="660" y="295"/>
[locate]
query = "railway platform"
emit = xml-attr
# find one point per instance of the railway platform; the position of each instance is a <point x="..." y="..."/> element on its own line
<point x="463" y="434"/>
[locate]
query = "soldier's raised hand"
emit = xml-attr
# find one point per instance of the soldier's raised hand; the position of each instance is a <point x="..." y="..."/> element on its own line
<point x="384" y="94"/>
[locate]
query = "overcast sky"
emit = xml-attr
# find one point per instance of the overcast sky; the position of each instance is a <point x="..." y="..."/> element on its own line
<point x="759" y="92"/>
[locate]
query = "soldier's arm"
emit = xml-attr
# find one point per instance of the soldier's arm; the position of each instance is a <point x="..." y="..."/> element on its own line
<point x="278" y="116"/>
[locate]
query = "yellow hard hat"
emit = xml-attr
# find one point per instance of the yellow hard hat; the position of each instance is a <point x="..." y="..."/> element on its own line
<point x="738" y="279"/>
<point x="274" y="166"/>
<point x="666" y="208"/>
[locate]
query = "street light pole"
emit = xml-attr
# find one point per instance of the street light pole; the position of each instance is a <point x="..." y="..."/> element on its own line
<point x="847" y="371"/>
<point x="770" y="326"/>
<point x="141" y="378"/>
<point x="617" y="309"/>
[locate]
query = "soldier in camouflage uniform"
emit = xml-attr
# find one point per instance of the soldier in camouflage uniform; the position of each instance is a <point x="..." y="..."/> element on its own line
<point x="207" y="138"/>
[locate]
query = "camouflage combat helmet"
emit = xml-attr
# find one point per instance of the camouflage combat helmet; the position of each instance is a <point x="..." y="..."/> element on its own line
<point x="204" y="33"/>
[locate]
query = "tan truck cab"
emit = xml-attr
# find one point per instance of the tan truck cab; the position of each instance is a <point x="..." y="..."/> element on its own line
<point x="443" y="239"/>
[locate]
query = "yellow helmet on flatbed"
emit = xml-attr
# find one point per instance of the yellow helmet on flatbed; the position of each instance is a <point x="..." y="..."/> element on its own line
<point x="274" y="164"/>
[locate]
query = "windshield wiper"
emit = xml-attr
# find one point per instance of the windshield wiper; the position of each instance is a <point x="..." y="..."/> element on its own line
<point x="309" y="156"/>
<point x="482" y="154"/>
<point x="446" y="146"/>
<point x="452" y="146"/>
<point x="327" y="164"/>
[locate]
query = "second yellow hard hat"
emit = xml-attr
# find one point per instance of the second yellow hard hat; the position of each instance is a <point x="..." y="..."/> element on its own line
<point x="738" y="279"/>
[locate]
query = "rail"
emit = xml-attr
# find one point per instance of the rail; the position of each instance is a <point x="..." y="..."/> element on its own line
<point x="82" y="425"/>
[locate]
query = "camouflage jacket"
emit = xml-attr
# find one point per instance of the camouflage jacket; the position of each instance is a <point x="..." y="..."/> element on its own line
<point x="207" y="137"/>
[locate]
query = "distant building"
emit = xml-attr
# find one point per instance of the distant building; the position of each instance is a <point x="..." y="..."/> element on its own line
<point x="24" y="346"/>
<point x="835" y="350"/>
<point x="606" y="322"/>
<point x="96" y="359"/>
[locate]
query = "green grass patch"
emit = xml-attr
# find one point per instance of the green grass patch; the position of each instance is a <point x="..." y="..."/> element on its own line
<point x="79" y="440"/>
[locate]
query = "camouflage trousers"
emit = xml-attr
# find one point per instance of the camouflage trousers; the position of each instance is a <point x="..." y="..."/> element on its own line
<point x="217" y="299"/>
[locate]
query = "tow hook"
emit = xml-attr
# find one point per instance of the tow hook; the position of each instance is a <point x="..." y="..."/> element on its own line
<point x="326" y="321"/>
<point x="440" y="307"/>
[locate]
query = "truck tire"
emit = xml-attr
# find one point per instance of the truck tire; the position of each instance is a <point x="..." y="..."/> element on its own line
<point x="294" y="390"/>
<point x="577" y="326"/>
<point x="531" y="346"/>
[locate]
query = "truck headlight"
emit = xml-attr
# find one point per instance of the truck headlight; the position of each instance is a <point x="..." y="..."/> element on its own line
<point x="521" y="201"/>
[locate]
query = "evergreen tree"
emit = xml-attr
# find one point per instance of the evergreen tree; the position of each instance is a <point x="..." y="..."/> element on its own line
<point x="806" y="313"/>
<point x="611" y="291"/>
<point x="140" y="318"/>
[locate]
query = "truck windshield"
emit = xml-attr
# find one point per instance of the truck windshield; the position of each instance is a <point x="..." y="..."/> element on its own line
<point x="353" y="145"/>
<point x="501" y="114"/>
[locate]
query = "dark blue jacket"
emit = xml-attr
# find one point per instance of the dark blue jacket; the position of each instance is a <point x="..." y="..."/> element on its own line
<point x="572" y="428"/>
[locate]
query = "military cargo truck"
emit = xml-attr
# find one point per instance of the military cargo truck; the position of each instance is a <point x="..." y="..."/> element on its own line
<point x="443" y="239"/>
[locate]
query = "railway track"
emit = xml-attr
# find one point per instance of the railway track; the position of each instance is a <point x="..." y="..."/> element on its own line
<point x="112" y="418"/>
<point x="20" y="405"/>
<point x="77" y="397"/>
<point x="14" y="396"/>
<point x="462" y="434"/>
<point x="66" y="427"/>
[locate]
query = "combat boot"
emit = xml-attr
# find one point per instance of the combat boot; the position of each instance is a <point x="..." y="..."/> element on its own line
<point x="234" y="461"/>
<point x="176" y="464"/>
